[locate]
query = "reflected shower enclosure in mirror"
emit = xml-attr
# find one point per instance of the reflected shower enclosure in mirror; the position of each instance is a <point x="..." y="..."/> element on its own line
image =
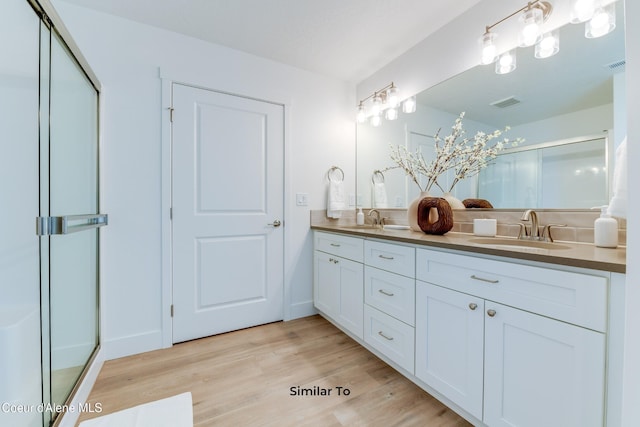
<point x="562" y="98"/>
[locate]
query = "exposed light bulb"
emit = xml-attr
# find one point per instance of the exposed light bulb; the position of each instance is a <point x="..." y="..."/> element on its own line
<point x="603" y="22"/>
<point x="489" y="49"/>
<point x="506" y="63"/>
<point x="548" y="46"/>
<point x="409" y="105"/>
<point x="375" y="120"/>
<point x="581" y="11"/>
<point x="531" y="32"/>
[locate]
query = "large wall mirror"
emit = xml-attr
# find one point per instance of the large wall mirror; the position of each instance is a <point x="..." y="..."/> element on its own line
<point x="569" y="109"/>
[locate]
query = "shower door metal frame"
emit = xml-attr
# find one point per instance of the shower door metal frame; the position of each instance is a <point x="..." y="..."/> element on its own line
<point x="47" y="226"/>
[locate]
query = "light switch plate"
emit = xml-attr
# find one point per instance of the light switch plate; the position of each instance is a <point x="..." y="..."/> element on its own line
<point x="302" y="199"/>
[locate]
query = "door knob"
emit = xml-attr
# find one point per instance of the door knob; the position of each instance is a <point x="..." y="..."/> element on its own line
<point x="276" y="223"/>
<point x="491" y="313"/>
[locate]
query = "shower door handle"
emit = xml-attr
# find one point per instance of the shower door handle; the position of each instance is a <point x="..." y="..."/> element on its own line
<point x="50" y="225"/>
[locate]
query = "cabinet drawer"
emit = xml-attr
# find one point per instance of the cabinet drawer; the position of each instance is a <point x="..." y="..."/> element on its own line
<point x="394" y="258"/>
<point x="390" y="337"/>
<point x="390" y="293"/>
<point x="576" y="298"/>
<point x="343" y="246"/>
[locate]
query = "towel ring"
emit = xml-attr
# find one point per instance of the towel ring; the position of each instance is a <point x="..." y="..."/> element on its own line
<point x="331" y="173"/>
<point x="379" y="175"/>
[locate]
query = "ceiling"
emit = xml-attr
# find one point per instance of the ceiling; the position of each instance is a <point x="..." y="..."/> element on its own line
<point x="345" y="39"/>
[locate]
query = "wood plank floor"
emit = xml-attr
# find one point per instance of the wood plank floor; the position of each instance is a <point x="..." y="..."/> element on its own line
<point x="244" y="378"/>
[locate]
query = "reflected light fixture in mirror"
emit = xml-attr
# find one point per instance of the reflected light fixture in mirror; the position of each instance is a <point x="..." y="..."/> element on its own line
<point x="384" y="101"/>
<point x="506" y="63"/>
<point x="548" y="46"/>
<point x="531" y="32"/>
<point x="581" y="11"/>
<point x="489" y="49"/>
<point x="409" y="105"/>
<point x="602" y="22"/>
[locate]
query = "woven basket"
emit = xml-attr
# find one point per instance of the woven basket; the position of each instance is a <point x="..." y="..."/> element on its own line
<point x="444" y="222"/>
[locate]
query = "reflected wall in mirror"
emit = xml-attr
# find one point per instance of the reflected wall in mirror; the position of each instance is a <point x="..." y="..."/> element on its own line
<point x="565" y="97"/>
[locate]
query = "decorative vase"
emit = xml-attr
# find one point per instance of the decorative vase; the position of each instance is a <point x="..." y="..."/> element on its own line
<point x="412" y="211"/>
<point x="443" y="223"/>
<point x="454" y="202"/>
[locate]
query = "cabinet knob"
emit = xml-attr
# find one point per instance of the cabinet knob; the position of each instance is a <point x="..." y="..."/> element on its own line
<point x="473" y="306"/>
<point x="491" y="313"/>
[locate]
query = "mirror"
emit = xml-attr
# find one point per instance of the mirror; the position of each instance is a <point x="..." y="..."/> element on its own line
<point x="567" y="97"/>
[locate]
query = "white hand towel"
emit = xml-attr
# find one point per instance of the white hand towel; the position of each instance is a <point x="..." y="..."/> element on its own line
<point x="380" y="195"/>
<point x="335" y="199"/>
<point x="618" y="203"/>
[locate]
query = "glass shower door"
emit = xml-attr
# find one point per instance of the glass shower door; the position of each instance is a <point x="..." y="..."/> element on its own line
<point x="69" y="220"/>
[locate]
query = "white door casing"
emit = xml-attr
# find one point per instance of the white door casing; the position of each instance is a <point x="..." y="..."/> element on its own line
<point x="227" y="204"/>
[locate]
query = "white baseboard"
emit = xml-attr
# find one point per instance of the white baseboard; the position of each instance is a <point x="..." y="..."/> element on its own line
<point x="301" y="309"/>
<point x="132" y="344"/>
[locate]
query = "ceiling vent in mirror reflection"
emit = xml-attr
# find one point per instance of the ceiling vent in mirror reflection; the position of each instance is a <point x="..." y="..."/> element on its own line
<point x="506" y="102"/>
<point x="617" y="65"/>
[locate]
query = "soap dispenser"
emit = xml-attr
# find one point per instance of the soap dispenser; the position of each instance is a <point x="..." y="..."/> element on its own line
<point x="360" y="217"/>
<point x="605" y="230"/>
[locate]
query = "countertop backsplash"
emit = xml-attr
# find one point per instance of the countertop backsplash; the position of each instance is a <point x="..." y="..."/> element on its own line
<point x="579" y="222"/>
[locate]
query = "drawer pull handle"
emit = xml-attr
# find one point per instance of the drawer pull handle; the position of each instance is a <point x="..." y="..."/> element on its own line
<point x="335" y="261"/>
<point x="383" y="292"/>
<point x="491" y="313"/>
<point x="335" y="245"/>
<point x="473" y="306"/>
<point x="482" y="279"/>
<point x="384" y="336"/>
<point x="385" y="257"/>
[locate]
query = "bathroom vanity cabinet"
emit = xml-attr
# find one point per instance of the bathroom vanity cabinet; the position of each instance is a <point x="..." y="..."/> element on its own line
<point x="503" y="343"/>
<point x="513" y="345"/>
<point x="338" y="280"/>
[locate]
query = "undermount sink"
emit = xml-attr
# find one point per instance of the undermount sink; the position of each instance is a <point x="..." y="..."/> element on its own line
<point x="361" y="227"/>
<point x="395" y="227"/>
<point x="506" y="243"/>
<point x="368" y="227"/>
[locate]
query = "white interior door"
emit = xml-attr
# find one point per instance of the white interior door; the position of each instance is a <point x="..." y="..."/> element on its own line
<point x="227" y="198"/>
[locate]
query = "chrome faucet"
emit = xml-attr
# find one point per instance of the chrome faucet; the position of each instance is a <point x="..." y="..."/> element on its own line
<point x="534" y="234"/>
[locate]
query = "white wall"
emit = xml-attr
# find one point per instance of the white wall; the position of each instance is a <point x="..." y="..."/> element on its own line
<point x="432" y="61"/>
<point x="126" y="57"/>
<point x="631" y="391"/>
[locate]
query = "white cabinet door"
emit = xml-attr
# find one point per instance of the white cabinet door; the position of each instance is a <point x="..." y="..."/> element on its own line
<point x="339" y="290"/>
<point x="541" y="372"/>
<point x="449" y="344"/>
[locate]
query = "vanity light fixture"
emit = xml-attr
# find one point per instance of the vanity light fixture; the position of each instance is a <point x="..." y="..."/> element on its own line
<point x="531" y="32"/>
<point x="602" y="22"/>
<point x="548" y="46"/>
<point x="582" y="11"/>
<point x="383" y="102"/>
<point x="409" y="105"/>
<point x="599" y="16"/>
<point x="534" y="14"/>
<point x="506" y="62"/>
